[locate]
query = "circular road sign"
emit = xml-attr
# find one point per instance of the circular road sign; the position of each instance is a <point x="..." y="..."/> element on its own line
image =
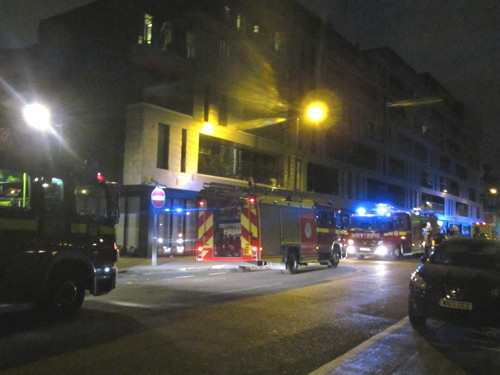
<point x="158" y="197"/>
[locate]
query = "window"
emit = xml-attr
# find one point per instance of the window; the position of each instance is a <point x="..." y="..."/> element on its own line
<point x="14" y="189"/>
<point x="183" y="150"/>
<point x="472" y="195"/>
<point x="240" y="23"/>
<point x="147" y="30"/>
<point x="91" y="200"/>
<point x="166" y="33"/>
<point x="279" y="42"/>
<point x="224" y="52"/>
<point x="163" y="146"/>
<point x="426" y="180"/>
<point x="321" y="179"/>
<point x="397" y="168"/>
<point x="190" y="45"/>
<point x="462" y="209"/>
<point x="206" y="105"/>
<point x="223" y="111"/>
<point x="53" y="193"/>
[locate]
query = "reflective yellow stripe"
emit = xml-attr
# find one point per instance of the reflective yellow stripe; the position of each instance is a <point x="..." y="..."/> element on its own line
<point x="79" y="228"/>
<point x="106" y="230"/>
<point x="323" y="230"/>
<point x="18" y="224"/>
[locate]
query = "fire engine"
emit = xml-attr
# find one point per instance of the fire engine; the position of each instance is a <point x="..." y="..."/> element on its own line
<point x="388" y="233"/>
<point x="482" y="229"/>
<point x="267" y="226"/>
<point x="57" y="238"/>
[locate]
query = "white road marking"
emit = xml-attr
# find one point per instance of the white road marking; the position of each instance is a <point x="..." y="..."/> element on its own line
<point x="330" y="366"/>
<point x="185" y="277"/>
<point x="130" y="304"/>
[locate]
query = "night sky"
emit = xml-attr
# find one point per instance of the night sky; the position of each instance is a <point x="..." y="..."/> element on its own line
<point x="457" y="41"/>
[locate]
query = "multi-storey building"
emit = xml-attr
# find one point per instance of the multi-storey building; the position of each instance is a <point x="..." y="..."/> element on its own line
<point x="181" y="93"/>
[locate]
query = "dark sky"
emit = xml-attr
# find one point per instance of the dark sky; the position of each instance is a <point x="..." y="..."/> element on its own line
<point x="457" y="41"/>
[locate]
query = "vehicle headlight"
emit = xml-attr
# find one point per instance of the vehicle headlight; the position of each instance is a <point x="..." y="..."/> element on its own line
<point x="351" y="249"/>
<point x="381" y="250"/>
<point x="350" y="242"/>
<point x="417" y="281"/>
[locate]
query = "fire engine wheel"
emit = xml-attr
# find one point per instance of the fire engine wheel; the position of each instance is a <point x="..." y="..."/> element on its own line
<point x="292" y="264"/>
<point x="397" y="252"/>
<point x="334" y="259"/>
<point x="65" y="293"/>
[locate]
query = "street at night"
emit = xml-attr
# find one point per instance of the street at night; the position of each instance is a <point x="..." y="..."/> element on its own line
<point x="225" y="320"/>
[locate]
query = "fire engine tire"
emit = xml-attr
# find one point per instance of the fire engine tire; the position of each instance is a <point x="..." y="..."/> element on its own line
<point x="397" y="252"/>
<point x="65" y="294"/>
<point x="334" y="259"/>
<point x="292" y="264"/>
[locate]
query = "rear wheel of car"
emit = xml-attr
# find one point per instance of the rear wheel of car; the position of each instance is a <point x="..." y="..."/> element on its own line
<point x="417" y="320"/>
<point x="292" y="264"/>
<point x="360" y="257"/>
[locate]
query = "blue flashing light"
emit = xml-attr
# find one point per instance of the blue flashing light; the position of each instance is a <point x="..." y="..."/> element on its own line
<point x="361" y="211"/>
<point x="381" y="211"/>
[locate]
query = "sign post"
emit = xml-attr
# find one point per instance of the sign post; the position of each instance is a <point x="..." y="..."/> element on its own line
<point x="157" y="201"/>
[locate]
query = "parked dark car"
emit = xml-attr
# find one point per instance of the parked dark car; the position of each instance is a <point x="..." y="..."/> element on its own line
<point x="460" y="282"/>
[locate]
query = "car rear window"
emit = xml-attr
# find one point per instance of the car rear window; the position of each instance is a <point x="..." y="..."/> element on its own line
<point x="484" y="255"/>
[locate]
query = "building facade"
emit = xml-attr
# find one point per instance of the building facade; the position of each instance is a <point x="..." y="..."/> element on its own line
<point x="183" y="93"/>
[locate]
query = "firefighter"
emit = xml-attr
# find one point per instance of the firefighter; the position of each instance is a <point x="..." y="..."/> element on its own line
<point x="428" y="237"/>
<point x="439" y="238"/>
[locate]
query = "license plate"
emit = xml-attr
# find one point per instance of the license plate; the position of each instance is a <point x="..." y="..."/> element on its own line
<point x="364" y="249"/>
<point x="452" y="304"/>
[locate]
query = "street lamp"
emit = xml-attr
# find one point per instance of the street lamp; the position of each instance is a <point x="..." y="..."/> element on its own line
<point x="314" y="112"/>
<point x="38" y="116"/>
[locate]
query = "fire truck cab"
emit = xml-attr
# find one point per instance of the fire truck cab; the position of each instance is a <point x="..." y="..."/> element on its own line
<point x="391" y="234"/>
<point x="57" y="238"/>
<point x="267" y="227"/>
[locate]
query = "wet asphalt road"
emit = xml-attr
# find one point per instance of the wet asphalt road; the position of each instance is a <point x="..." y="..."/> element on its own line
<point x="349" y="320"/>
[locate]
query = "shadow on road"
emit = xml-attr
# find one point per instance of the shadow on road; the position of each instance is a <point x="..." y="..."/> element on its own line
<point x="26" y="337"/>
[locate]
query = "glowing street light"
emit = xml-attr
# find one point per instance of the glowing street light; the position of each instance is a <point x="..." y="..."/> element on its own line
<point x="316" y="111"/>
<point x="37" y="116"/>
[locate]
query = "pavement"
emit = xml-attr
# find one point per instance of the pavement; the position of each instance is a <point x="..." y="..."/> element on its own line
<point x="179" y="263"/>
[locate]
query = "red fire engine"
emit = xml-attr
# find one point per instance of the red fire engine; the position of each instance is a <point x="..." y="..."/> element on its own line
<point x="267" y="226"/>
<point x="390" y="234"/>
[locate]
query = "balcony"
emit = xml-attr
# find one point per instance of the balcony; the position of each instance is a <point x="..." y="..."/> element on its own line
<point x="168" y="63"/>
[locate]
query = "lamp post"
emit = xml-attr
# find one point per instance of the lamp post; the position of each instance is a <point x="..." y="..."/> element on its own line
<point x="38" y="116"/>
<point x="314" y="112"/>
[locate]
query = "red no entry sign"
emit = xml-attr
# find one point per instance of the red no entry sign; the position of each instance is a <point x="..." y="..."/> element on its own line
<point x="158" y="197"/>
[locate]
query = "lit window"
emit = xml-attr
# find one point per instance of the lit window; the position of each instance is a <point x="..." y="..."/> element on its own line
<point x="147" y="30"/>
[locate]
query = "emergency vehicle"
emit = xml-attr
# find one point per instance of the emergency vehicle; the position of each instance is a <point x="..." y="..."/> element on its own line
<point x="388" y="233"/>
<point x="482" y="229"/>
<point x="272" y="227"/>
<point x="57" y="238"/>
